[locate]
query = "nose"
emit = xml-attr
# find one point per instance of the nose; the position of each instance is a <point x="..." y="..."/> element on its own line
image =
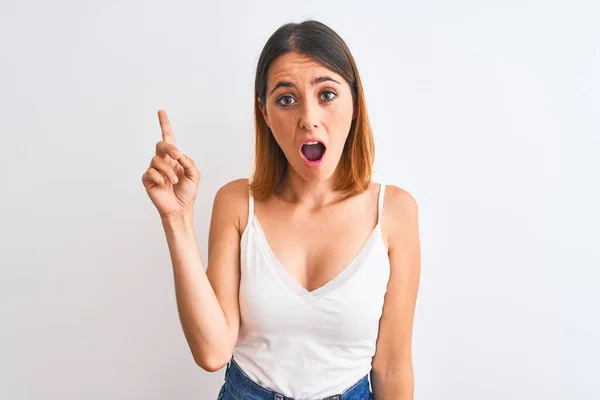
<point x="309" y="118"/>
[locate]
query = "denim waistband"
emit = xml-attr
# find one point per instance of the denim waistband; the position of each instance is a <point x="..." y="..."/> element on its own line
<point x="242" y="387"/>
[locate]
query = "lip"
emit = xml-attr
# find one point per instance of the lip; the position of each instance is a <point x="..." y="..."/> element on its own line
<point x="306" y="160"/>
<point x="311" y="139"/>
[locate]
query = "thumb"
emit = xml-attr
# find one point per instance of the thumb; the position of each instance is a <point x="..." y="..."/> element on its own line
<point x="189" y="167"/>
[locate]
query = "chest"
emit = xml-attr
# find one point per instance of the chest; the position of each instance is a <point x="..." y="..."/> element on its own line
<point x="347" y="306"/>
<point x="315" y="248"/>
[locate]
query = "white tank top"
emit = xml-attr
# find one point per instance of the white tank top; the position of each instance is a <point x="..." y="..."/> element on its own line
<point x="308" y="344"/>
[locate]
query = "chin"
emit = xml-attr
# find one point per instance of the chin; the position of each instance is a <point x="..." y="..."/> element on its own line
<point x="315" y="174"/>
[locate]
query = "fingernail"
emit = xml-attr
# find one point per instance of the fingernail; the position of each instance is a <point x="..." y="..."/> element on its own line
<point x="174" y="179"/>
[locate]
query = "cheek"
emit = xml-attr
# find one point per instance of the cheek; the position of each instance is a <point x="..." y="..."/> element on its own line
<point x="340" y="120"/>
<point x="280" y="122"/>
<point x="278" y="119"/>
<point x="282" y="127"/>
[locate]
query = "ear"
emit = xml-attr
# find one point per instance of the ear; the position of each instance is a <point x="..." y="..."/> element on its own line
<point x="263" y="110"/>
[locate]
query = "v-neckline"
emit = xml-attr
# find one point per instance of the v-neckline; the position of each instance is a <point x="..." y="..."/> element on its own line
<point x="338" y="280"/>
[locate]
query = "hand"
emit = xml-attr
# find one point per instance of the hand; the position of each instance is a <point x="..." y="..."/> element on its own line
<point x="172" y="179"/>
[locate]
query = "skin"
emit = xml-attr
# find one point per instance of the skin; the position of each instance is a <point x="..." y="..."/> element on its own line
<point x="307" y="109"/>
<point x="305" y="204"/>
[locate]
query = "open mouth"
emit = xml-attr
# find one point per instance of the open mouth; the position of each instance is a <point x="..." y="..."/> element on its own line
<point x="313" y="151"/>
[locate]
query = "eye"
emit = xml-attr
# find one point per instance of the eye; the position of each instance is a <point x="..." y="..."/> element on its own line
<point x="328" y="95"/>
<point x="285" y="100"/>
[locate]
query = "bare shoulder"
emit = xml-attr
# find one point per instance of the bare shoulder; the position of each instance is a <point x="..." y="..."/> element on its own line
<point x="232" y="200"/>
<point x="400" y="214"/>
<point x="234" y="190"/>
<point x="398" y="200"/>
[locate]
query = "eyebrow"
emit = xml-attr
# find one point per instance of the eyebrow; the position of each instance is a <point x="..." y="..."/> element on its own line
<point x="314" y="82"/>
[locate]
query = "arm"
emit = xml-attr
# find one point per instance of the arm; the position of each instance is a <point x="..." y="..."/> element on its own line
<point x="207" y="301"/>
<point x="392" y="374"/>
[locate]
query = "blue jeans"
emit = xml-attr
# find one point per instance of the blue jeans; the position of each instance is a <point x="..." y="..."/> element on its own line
<point x="238" y="386"/>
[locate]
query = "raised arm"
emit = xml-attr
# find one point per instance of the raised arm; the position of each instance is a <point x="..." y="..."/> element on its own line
<point x="207" y="302"/>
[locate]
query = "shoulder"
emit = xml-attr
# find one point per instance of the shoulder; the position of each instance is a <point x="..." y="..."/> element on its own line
<point x="399" y="201"/>
<point x="232" y="199"/>
<point x="399" y="215"/>
<point x="233" y="190"/>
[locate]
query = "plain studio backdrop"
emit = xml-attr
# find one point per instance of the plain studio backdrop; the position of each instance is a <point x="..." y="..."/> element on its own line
<point x="486" y="114"/>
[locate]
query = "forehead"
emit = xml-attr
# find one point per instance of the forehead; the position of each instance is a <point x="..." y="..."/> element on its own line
<point x="294" y="65"/>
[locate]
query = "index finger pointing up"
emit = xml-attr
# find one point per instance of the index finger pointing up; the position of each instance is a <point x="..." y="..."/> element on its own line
<point x="165" y="126"/>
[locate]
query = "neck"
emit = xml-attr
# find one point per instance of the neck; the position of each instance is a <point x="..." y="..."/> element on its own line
<point x="311" y="194"/>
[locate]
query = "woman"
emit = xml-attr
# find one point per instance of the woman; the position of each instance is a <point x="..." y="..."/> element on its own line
<point x="313" y="269"/>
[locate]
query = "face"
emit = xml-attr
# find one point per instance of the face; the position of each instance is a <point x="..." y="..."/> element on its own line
<point x="309" y="109"/>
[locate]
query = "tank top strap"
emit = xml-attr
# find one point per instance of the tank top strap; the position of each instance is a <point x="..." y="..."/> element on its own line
<point x="250" y="206"/>
<point x="380" y="202"/>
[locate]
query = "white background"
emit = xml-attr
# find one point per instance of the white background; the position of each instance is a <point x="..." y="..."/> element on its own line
<point x="486" y="112"/>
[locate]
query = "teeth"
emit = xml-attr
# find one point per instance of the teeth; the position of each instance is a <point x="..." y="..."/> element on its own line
<point x="311" y="143"/>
